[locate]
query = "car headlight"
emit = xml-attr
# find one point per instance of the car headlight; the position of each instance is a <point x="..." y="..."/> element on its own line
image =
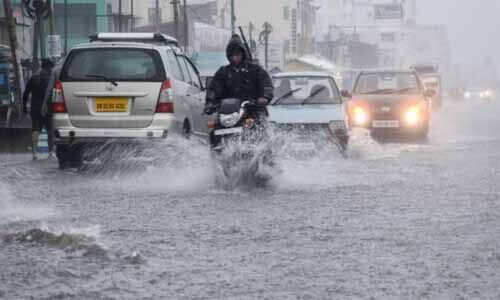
<point x="360" y="117"/>
<point x="230" y="119"/>
<point x="412" y="116"/>
<point x="486" y="94"/>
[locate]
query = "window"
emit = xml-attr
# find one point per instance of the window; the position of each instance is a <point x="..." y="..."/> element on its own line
<point x="175" y="68"/>
<point x="194" y="75"/>
<point x="286" y="13"/>
<point x="387" y="37"/>
<point x="182" y="62"/>
<point x="152" y="15"/>
<point x="120" y="64"/>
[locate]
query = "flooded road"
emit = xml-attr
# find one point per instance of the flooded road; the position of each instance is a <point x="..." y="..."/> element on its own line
<point x="391" y="221"/>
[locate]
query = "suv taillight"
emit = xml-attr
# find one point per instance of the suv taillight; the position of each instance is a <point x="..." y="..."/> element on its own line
<point x="165" y="104"/>
<point x="58" y="103"/>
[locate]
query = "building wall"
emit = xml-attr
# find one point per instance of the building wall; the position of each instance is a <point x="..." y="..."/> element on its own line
<point x="144" y="11"/>
<point x="391" y="25"/>
<point x="84" y="17"/>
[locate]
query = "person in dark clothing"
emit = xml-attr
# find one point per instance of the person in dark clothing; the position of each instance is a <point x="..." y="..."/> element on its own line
<point x="37" y="88"/>
<point x="240" y="79"/>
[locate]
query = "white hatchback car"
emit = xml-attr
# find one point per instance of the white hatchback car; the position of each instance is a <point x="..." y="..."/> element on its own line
<point x="123" y="87"/>
<point x="309" y="104"/>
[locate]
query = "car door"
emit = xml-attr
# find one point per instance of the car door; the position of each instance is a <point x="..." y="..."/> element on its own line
<point x="180" y="88"/>
<point x="196" y="100"/>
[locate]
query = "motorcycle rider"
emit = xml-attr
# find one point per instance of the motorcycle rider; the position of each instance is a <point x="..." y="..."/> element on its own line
<point x="241" y="79"/>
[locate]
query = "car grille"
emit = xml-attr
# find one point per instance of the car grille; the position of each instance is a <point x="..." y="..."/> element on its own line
<point x="303" y="128"/>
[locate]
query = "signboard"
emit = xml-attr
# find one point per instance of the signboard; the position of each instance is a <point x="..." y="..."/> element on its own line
<point x="54" y="48"/>
<point x="388" y="11"/>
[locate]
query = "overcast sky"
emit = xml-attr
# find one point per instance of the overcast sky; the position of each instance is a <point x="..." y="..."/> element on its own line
<point x="473" y="26"/>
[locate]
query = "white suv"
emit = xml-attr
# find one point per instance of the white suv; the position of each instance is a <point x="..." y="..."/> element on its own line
<point x="121" y="87"/>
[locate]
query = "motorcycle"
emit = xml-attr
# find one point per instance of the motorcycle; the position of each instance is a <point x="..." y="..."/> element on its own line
<point x="240" y="143"/>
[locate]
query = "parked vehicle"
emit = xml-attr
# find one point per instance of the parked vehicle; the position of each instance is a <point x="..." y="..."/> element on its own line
<point x="123" y="87"/>
<point x="309" y="107"/>
<point x="391" y="101"/>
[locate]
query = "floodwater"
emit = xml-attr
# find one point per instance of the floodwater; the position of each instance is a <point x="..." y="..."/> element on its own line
<point x="390" y="221"/>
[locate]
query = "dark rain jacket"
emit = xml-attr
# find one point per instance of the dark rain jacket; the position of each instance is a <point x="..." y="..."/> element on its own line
<point x="37" y="88"/>
<point x="247" y="82"/>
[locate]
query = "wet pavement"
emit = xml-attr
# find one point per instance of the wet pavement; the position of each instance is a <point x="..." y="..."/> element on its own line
<point x="390" y="221"/>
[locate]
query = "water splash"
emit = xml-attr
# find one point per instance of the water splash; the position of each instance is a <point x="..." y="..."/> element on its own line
<point x="13" y="209"/>
<point x="82" y="240"/>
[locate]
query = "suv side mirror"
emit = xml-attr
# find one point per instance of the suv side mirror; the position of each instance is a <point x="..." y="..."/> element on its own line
<point x="429" y="93"/>
<point x="346" y="94"/>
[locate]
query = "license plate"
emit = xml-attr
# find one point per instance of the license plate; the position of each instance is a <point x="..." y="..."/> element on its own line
<point x="386" y="124"/>
<point x="303" y="147"/>
<point x="115" y="105"/>
<point x="229" y="131"/>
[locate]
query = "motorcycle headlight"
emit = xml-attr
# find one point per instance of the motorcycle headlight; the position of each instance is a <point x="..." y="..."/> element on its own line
<point x="230" y="119"/>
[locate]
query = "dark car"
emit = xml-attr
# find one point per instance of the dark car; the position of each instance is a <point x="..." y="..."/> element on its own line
<point x="390" y="102"/>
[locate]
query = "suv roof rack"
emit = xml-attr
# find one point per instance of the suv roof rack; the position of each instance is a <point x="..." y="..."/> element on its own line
<point x="139" y="37"/>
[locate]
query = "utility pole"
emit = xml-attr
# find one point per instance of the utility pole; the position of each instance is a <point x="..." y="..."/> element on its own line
<point x="120" y="13"/>
<point x="158" y="16"/>
<point x="186" y="27"/>
<point x="264" y="40"/>
<point x="11" y="23"/>
<point x="253" y="46"/>
<point x="233" y="18"/>
<point x="132" y="21"/>
<point x="176" y="18"/>
<point x="65" y="27"/>
<point x="52" y="29"/>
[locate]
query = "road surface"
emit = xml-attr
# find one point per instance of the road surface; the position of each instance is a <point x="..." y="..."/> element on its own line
<point x="391" y="221"/>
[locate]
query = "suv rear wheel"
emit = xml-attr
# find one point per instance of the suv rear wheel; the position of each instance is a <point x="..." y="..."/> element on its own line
<point x="69" y="156"/>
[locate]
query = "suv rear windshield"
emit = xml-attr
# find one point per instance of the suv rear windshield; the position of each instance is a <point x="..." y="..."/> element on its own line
<point x="104" y="64"/>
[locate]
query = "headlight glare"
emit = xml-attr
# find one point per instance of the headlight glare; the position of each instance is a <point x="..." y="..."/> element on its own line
<point x="412" y="116"/>
<point x="360" y="116"/>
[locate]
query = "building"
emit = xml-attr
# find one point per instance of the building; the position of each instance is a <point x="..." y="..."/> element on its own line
<point x="84" y="18"/>
<point x="145" y="11"/>
<point x="390" y="27"/>
<point x="293" y="26"/>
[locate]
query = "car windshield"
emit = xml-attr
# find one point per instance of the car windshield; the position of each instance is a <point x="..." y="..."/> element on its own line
<point x="299" y="90"/>
<point x="104" y="64"/>
<point x="387" y="83"/>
